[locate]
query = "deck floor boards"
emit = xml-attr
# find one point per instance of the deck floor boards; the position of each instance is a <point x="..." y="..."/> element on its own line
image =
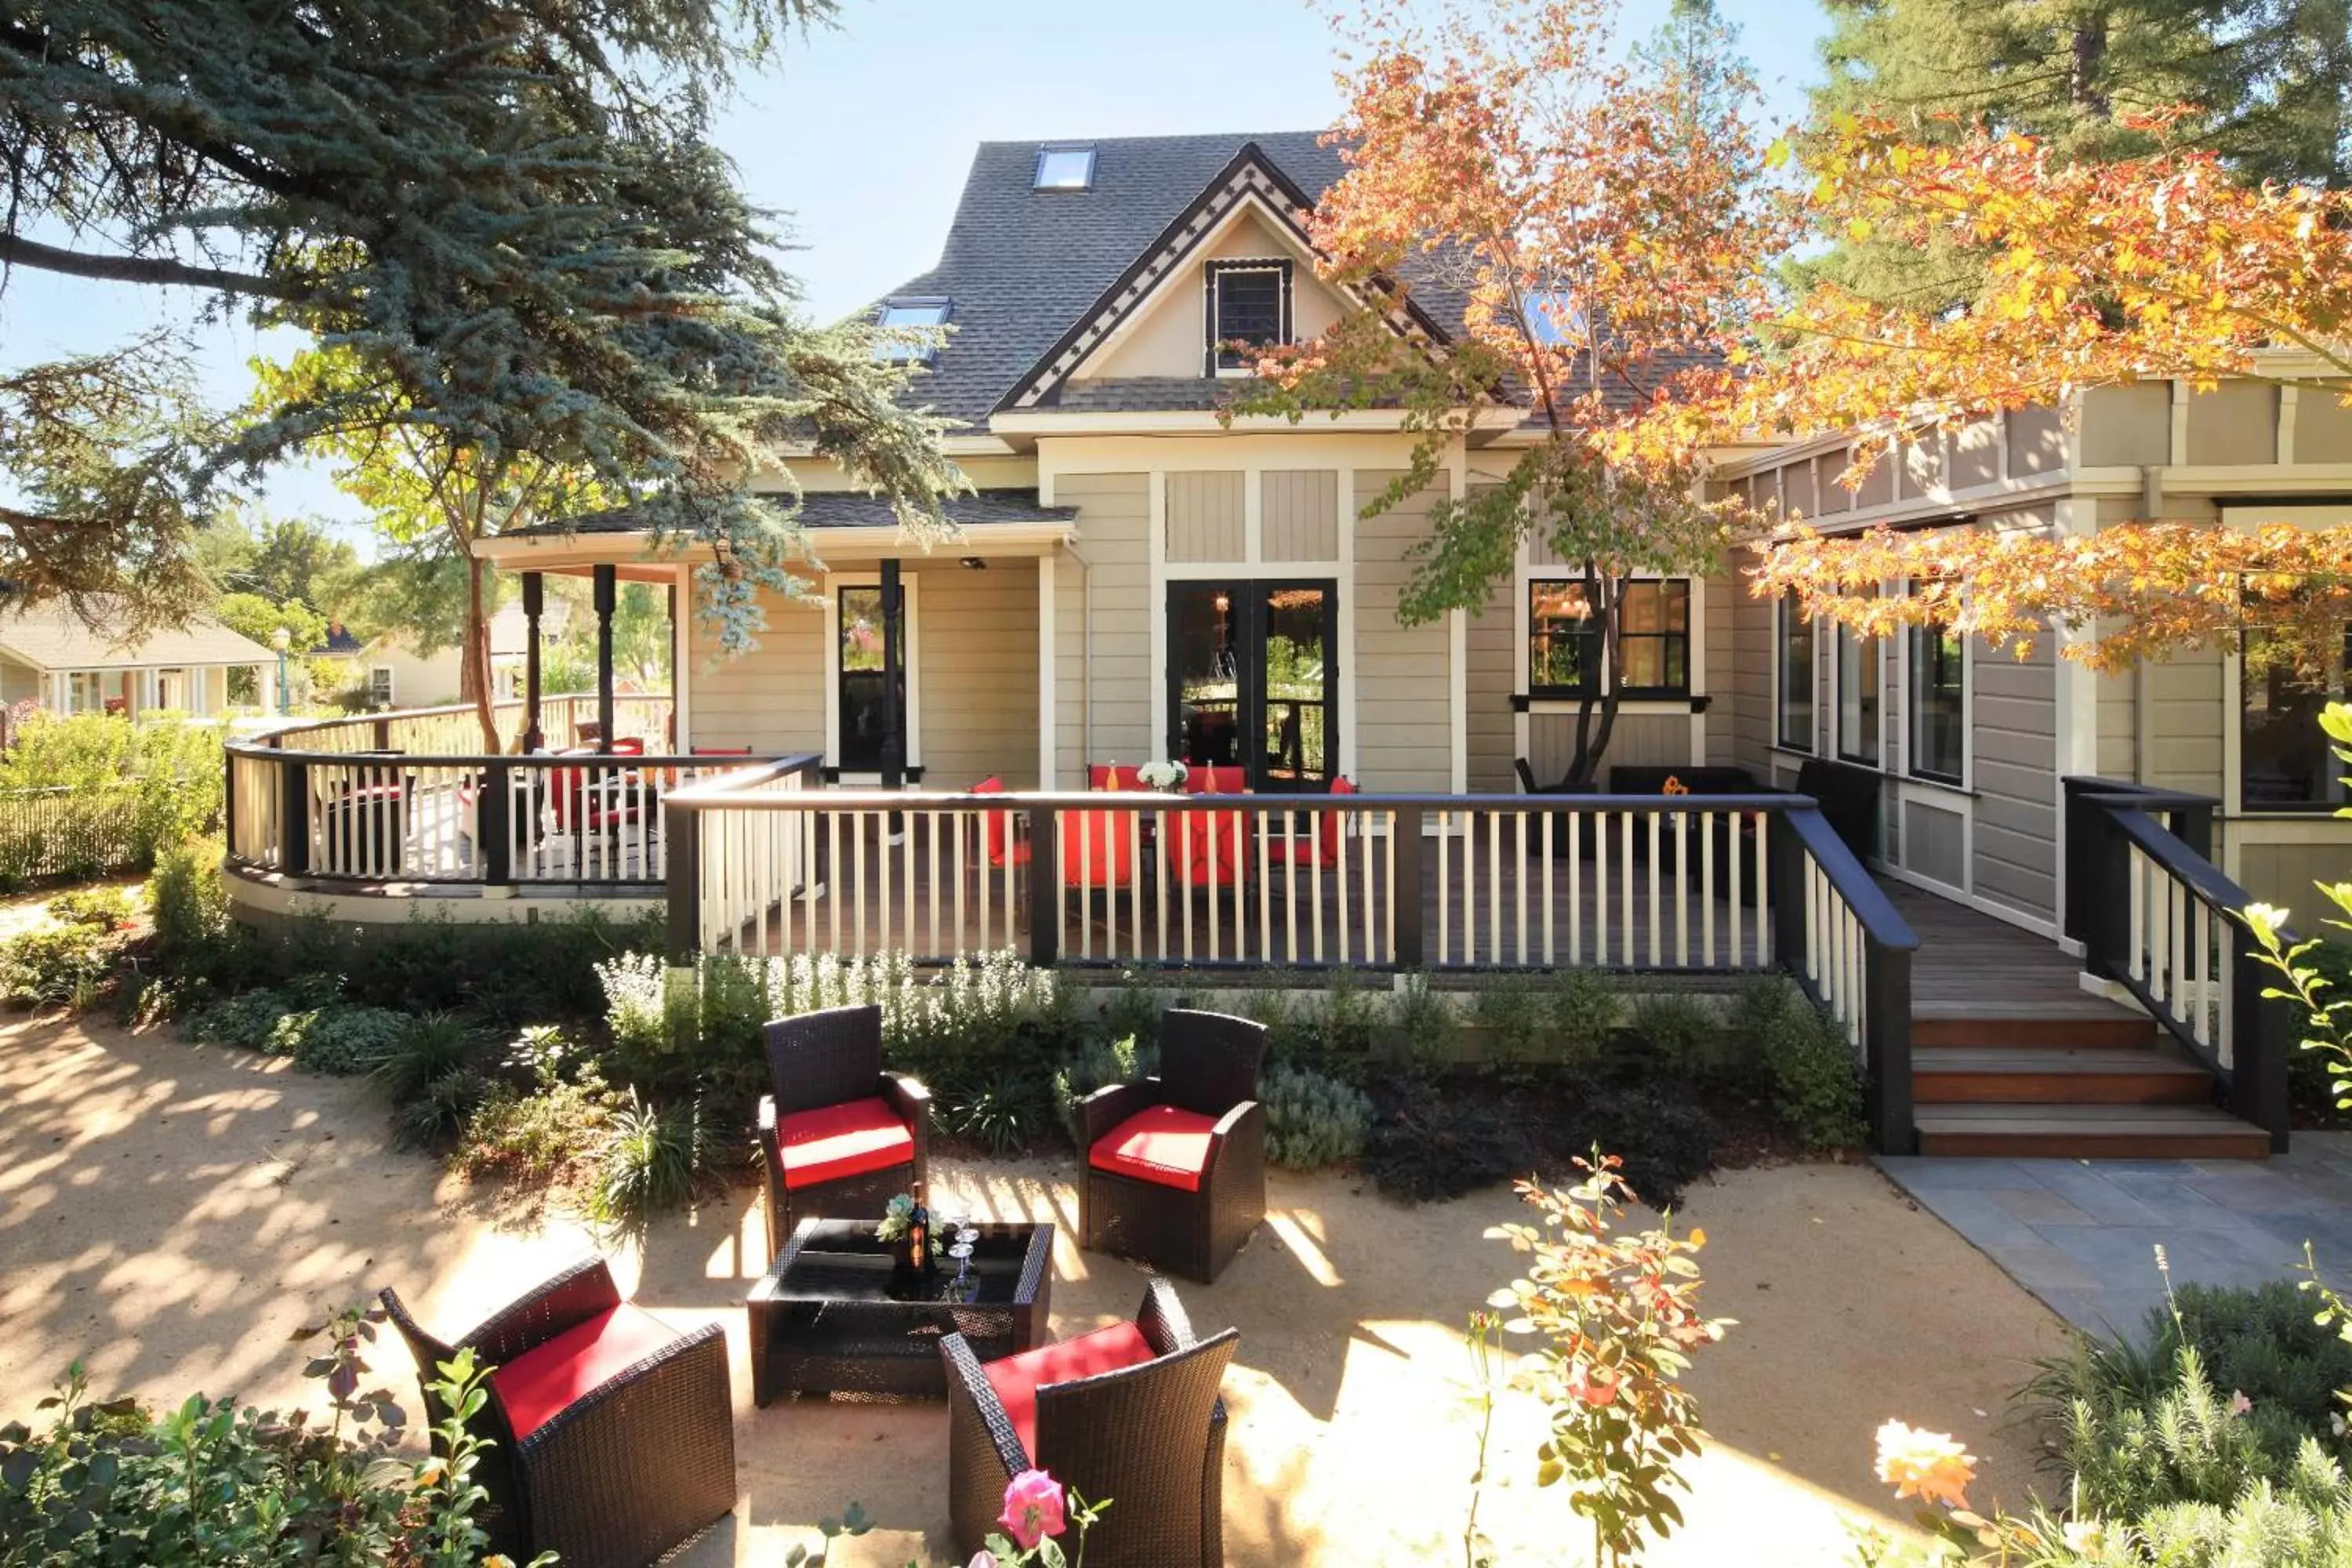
<point x="1971" y="966"/>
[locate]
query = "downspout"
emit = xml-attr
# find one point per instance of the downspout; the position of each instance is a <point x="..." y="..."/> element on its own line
<point x="1085" y="653"/>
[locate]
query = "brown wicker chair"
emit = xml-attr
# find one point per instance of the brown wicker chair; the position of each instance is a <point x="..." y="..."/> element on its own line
<point x="1176" y="1164"/>
<point x="1128" y="1413"/>
<point x="611" y="1434"/>
<point x="831" y="1135"/>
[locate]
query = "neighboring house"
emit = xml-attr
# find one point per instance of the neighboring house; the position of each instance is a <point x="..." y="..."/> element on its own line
<point x="50" y="657"/>
<point x="510" y="643"/>
<point x="397" y="673"/>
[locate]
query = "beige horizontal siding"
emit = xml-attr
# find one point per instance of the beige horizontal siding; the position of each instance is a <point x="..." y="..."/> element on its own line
<point x="1721" y="595"/>
<point x="1113" y="662"/>
<point x="770" y="699"/>
<point x="1637" y="740"/>
<point x="2014" y="717"/>
<point x="1491" y="678"/>
<point x="978" y="671"/>
<point x="1403" y="692"/>
<point x="2182" y="725"/>
<point x="1747" y="678"/>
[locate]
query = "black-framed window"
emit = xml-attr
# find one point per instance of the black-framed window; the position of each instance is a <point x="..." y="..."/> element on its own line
<point x="2284" y="762"/>
<point x="1794" y="730"/>
<point x="1859" y="685"/>
<point x="1564" y="645"/>
<point x="1248" y="308"/>
<point x="1938" y="703"/>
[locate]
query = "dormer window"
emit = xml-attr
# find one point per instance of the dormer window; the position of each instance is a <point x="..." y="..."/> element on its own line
<point x="911" y="312"/>
<point x="1065" y="169"/>
<point x="1248" y="308"/>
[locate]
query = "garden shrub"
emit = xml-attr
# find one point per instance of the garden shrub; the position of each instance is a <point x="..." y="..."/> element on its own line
<point x="1313" y="1119"/>
<point x="56" y="965"/>
<point x="2145" y="1423"/>
<point x="1811" y="1076"/>
<point x="247" y="1021"/>
<point x="1663" y="1142"/>
<point x="535" y="1135"/>
<point x="439" y="1112"/>
<point x="131" y="793"/>
<point x="107" y="907"/>
<point x="1425" y="1022"/>
<point x="207" y="1483"/>
<point x="1674" y="1031"/>
<point x="647" y="1163"/>
<point x="199" y="948"/>
<point x="428" y="1048"/>
<point x="1512" y="1010"/>
<point x="1425" y="1146"/>
<point x="1587" y="1011"/>
<point x="340" y="1040"/>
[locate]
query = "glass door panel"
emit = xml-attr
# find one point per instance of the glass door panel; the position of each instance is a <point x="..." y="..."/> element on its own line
<point x="864" y="717"/>
<point x="1253" y="679"/>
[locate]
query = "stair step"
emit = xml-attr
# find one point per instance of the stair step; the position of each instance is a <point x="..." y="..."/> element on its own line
<point x="2061" y="1032"/>
<point x="1943" y="1075"/>
<point x="2089" y="1131"/>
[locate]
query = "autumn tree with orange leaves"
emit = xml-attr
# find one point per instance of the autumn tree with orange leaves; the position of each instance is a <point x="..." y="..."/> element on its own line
<point x="2097" y="274"/>
<point x="1601" y="227"/>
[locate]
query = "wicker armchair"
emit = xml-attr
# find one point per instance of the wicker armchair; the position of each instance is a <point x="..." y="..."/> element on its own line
<point x="1176" y="1164"/>
<point x="839" y="1138"/>
<point x="1130" y="1413"/>
<point x="612" y="1434"/>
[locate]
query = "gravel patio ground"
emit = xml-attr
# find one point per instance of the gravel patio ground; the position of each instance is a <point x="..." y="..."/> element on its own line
<point x="173" y="1212"/>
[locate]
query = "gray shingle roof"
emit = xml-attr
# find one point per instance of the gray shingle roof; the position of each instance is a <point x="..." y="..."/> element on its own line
<point x="1022" y="265"/>
<point x="836" y="508"/>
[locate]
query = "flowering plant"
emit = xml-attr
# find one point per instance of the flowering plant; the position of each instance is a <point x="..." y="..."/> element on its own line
<point x="1163" y="776"/>
<point x="1620" y="1312"/>
<point x="898" y="1218"/>
<point x="1037" y="1510"/>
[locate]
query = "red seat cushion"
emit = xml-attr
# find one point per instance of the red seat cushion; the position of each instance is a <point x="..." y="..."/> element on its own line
<point x="547" y="1379"/>
<point x="1161" y="1144"/>
<point x="847" y="1140"/>
<point x="1017" y="1378"/>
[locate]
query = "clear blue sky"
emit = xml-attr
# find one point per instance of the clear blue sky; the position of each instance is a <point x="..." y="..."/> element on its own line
<point x="860" y="137"/>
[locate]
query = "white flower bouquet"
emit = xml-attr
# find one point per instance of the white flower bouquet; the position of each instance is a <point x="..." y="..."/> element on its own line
<point x="1163" y="776"/>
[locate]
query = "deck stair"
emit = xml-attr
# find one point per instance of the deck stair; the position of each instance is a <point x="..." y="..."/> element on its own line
<point x="2072" y="1085"/>
<point x="2011" y="1057"/>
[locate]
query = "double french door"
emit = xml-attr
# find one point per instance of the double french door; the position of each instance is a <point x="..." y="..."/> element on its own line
<point x="1253" y="679"/>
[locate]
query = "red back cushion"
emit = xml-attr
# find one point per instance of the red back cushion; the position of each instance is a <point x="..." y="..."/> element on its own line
<point x="1016" y="1379"/>
<point x="1113" y="776"/>
<point x="548" y="1378"/>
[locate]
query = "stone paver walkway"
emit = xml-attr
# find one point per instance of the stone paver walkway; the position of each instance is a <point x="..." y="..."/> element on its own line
<point x="2082" y="1235"/>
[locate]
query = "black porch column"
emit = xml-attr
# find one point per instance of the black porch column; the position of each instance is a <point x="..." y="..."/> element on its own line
<point x="534" y="600"/>
<point x="606" y="578"/>
<point x="893" y="707"/>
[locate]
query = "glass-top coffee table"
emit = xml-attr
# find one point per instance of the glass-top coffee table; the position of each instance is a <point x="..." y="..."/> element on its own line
<point x="835" y="1315"/>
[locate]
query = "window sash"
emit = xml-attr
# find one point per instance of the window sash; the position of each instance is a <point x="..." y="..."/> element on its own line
<point x="1940" y="704"/>
<point x="1793" y="702"/>
<point x="1861" y="677"/>
<point x="1565" y="655"/>
<point x="1256" y="312"/>
<point x="2284" y="761"/>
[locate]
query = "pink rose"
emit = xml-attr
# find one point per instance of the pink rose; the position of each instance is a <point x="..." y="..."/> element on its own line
<point x="1032" y="1509"/>
<point x="984" y="1558"/>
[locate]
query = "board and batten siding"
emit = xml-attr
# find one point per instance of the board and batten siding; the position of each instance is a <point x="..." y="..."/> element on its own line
<point x="1298" y="515"/>
<point x="1106" y="664"/>
<point x="1403" y="696"/>
<point x="1207" y="516"/>
<point x="2014" y="712"/>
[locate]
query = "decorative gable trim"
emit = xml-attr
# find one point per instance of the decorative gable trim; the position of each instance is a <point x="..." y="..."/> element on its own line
<point x="1248" y="180"/>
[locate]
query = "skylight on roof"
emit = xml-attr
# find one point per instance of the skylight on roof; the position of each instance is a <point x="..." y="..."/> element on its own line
<point x="911" y="315"/>
<point x="1065" y="169"/>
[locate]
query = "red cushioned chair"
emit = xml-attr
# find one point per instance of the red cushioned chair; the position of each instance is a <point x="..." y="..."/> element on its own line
<point x="1320" y="848"/>
<point x="839" y="1137"/>
<point x="1210" y="849"/>
<point x="1176" y="1164"/>
<point x="1000" y="842"/>
<point x="612" y="1435"/>
<point x="1129" y="1414"/>
<point x="1116" y="776"/>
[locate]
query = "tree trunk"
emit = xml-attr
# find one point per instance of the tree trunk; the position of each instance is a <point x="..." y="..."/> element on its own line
<point x="2086" y="63"/>
<point x="474" y="663"/>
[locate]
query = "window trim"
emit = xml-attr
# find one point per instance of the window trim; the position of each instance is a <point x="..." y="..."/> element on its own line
<point x="1809" y="744"/>
<point x="910" y="586"/>
<point x="1062" y="148"/>
<point x="1214" y="270"/>
<point x="1600" y="679"/>
<point x="391" y="677"/>
<point x="926" y="352"/>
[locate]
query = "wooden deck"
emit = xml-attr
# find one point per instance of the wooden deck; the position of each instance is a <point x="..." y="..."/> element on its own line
<point x="1971" y="965"/>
